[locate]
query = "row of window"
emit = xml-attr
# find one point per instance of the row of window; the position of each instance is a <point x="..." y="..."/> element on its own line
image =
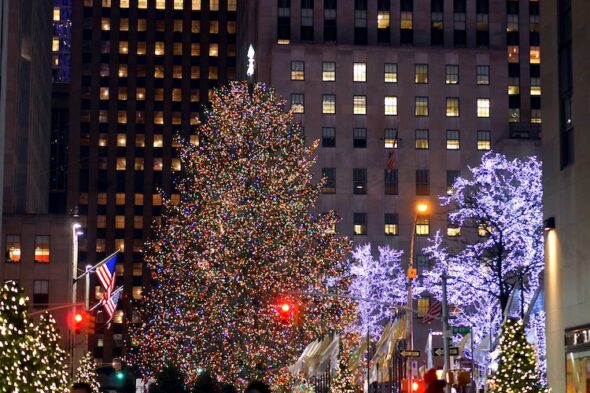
<point x="42" y="249"/>
<point x="160" y="72"/>
<point x="390" y="107"/>
<point x="138" y="199"/>
<point x="390" y="181"/>
<point x="390" y="73"/>
<point x="175" y="118"/>
<point x="195" y="5"/>
<point x="422" y="138"/>
<point x="178" y="48"/>
<point x="160" y="25"/>
<point x="121" y="140"/>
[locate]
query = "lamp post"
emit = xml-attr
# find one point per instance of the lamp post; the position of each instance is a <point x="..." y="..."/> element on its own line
<point x="76" y="228"/>
<point x="421" y="208"/>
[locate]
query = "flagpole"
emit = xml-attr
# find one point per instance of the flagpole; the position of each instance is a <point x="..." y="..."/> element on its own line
<point x="93" y="268"/>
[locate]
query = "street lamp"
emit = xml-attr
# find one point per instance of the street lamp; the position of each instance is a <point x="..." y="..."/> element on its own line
<point x="421" y="209"/>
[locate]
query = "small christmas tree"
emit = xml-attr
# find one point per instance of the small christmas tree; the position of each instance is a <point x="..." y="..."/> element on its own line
<point x="19" y="358"/>
<point x="51" y="375"/>
<point x="517" y="364"/>
<point x="86" y="372"/>
<point x="343" y="381"/>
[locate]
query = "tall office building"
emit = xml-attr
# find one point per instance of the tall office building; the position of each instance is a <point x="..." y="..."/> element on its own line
<point x="435" y="83"/>
<point x="141" y="71"/>
<point x="566" y="71"/>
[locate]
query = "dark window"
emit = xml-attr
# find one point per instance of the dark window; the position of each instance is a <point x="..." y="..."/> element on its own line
<point x="391" y="221"/>
<point x="451" y="177"/>
<point x="307" y="20"/>
<point x="565" y="86"/>
<point x="328" y="137"/>
<point x="40" y="293"/>
<point x="483" y="75"/>
<point x="459" y="6"/>
<point x="329" y="174"/>
<point x="359" y="223"/>
<point x="360" y="22"/>
<point x="359" y="137"/>
<point x="330" y="30"/>
<point x="452" y="74"/>
<point x="422" y="182"/>
<point x="359" y="180"/>
<point x="284" y="21"/>
<point x="391" y="184"/>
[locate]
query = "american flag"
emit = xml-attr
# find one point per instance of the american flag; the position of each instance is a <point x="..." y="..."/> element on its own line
<point x="110" y="305"/>
<point x="392" y="156"/>
<point x="106" y="275"/>
<point x="434" y="312"/>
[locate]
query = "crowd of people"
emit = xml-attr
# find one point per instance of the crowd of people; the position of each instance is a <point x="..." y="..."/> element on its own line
<point x="253" y="387"/>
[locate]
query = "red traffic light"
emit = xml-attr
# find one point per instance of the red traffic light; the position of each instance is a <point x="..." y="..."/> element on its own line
<point x="417" y="386"/>
<point x="285" y="307"/>
<point x="78" y="318"/>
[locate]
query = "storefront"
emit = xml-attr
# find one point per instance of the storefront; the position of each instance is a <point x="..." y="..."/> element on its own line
<point x="577" y="359"/>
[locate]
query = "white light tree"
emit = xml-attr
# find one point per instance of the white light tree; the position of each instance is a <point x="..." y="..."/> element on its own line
<point x="51" y="375"/>
<point x="86" y="372"/>
<point x="381" y="280"/>
<point x="502" y="203"/>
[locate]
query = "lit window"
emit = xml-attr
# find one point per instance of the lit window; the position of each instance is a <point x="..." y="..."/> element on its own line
<point x="421" y="73"/>
<point x="483" y="107"/>
<point x="56" y="14"/>
<point x="359" y="223"/>
<point x="124" y="3"/>
<point x="158" y="117"/>
<point x="231" y="27"/>
<point x="213" y="27"/>
<point x="122" y="117"/>
<point x="422" y="226"/>
<point x="390" y="138"/>
<point x="158" y="165"/>
<point x="406" y="21"/>
<point x="536" y="116"/>
<point x="359" y="179"/>
<point x="328" y="71"/>
<point x="105" y="24"/>
<point x="452" y="74"/>
<point x="13" y="247"/>
<point x="512" y="22"/>
<point x="328" y="104"/>
<point x="158" y="140"/>
<point x="175" y="164"/>
<point x="142" y="4"/>
<point x="391" y="224"/>
<point x="359" y="138"/>
<point x="104" y="93"/>
<point x="123" y="47"/>
<point x="120" y="198"/>
<point x="421" y="106"/>
<point x="100" y="245"/>
<point x="160" y="4"/>
<point x="176" y="95"/>
<point x="232" y="5"/>
<point x="137" y="291"/>
<point x="121" y="140"/>
<point x="55" y="44"/>
<point x="390" y="104"/>
<point x="103" y="116"/>
<point x="535" y="86"/>
<point x="122" y="93"/>
<point x="214" y="5"/>
<point x="124" y="24"/>
<point x="359" y="72"/>
<point x="513" y="86"/>
<point x="297" y="70"/>
<point x="213" y="49"/>
<point x="42" y="249"/>
<point x="196" y="5"/>
<point x="359" y="105"/>
<point x="452" y="106"/>
<point x="178" y="4"/>
<point x="453" y="142"/>
<point x="383" y="20"/>
<point x="483" y="75"/>
<point x="141" y="48"/>
<point x="484" y="140"/>
<point x="297" y="103"/>
<point x="423" y="306"/>
<point x="121" y="164"/>
<point x="329" y="176"/>
<point x="118" y="317"/>
<point x="453" y="231"/>
<point x="122" y="73"/>
<point x="159" y="48"/>
<point x="483" y="229"/>
<point x="139" y="163"/>
<point x="422" y="139"/>
<point x="141" y="24"/>
<point x="513" y="54"/>
<point x="535" y="55"/>
<point x="390" y="75"/>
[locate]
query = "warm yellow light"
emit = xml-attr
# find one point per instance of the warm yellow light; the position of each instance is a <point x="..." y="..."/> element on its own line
<point x="439" y="374"/>
<point x="422" y="207"/>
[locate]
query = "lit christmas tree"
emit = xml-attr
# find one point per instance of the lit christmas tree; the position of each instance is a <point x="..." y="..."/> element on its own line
<point x="51" y="375"/>
<point x="86" y="372"/>
<point x="517" y="362"/>
<point x="19" y="358"/>
<point x="343" y="381"/>
<point x="241" y="239"/>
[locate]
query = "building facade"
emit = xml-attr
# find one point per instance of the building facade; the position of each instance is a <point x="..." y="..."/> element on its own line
<point x="435" y="83"/>
<point x="566" y="66"/>
<point x="141" y="71"/>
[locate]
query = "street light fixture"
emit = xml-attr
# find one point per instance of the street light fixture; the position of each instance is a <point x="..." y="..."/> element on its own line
<point x="421" y="209"/>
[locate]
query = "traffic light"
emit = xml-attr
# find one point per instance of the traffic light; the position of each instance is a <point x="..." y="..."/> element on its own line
<point x="416" y="386"/>
<point x="90" y="324"/>
<point x="77" y="322"/>
<point x="120" y="375"/>
<point x="286" y="311"/>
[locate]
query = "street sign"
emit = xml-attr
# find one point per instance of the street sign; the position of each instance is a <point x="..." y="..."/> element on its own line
<point x="461" y="329"/>
<point x="453" y="351"/>
<point x="410" y="353"/>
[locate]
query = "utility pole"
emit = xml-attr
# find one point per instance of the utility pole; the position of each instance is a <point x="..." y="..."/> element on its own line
<point x="445" y="321"/>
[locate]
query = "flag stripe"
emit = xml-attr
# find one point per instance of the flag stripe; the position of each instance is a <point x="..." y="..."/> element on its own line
<point x="434" y="311"/>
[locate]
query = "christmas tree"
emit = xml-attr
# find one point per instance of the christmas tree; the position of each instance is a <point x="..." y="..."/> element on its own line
<point x="19" y="358"/>
<point x="343" y="381"/>
<point x="239" y="242"/>
<point x="86" y="372"/>
<point x="517" y="363"/>
<point x="51" y="375"/>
